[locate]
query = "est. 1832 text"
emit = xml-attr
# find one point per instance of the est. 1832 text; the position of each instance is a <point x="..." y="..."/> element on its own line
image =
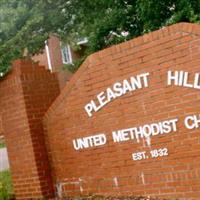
<point x="155" y="153"/>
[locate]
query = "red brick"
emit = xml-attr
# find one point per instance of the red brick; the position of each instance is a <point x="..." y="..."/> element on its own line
<point x="174" y="47"/>
<point x="24" y="103"/>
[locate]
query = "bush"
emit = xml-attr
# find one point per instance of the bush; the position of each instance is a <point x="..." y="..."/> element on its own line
<point x="2" y="142"/>
<point x="5" y="185"/>
<point x="2" y="145"/>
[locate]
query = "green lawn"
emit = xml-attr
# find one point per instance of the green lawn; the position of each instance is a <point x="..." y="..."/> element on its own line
<point x="5" y="185"/>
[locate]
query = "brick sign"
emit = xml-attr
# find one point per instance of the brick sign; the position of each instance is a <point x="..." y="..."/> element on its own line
<point x="128" y="122"/>
<point x="148" y="130"/>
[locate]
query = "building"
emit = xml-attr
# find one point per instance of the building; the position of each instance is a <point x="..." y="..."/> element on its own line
<point x="56" y="54"/>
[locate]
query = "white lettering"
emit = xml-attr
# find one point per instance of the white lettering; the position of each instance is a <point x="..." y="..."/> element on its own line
<point x="102" y="99"/>
<point x="118" y="89"/>
<point x="146" y="130"/>
<point x="89" y="109"/>
<point x="196" y="81"/>
<point x="181" y="78"/>
<point x="86" y="142"/>
<point x="145" y="78"/>
<point x="185" y="81"/>
<point x="110" y="94"/>
<point x="172" y="77"/>
<point x="192" y="121"/>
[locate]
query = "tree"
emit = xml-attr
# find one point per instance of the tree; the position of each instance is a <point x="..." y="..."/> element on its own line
<point x="26" y="24"/>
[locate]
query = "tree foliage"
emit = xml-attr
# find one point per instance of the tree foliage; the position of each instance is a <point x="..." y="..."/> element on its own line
<point x="26" y="24"/>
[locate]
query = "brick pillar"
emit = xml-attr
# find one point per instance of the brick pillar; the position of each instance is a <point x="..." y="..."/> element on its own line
<point x="26" y="94"/>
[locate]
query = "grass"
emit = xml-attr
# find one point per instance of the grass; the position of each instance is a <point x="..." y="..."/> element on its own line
<point x="6" y="189"/>
<point x="2" y="145"/>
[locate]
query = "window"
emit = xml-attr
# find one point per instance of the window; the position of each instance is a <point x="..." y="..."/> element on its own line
<point x="82" y="41"/>
<point x="66" y="54"/>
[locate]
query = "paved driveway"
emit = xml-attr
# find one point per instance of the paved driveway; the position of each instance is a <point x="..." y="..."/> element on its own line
<point x="3" y="159"/>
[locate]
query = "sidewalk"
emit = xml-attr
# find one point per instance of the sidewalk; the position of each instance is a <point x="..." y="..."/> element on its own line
<point x="4" y="164"/>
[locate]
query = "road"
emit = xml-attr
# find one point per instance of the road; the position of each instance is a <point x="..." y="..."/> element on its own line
<point x="4" y="164"/>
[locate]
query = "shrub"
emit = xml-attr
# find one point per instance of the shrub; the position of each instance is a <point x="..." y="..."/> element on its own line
<point x="5" y="185"/>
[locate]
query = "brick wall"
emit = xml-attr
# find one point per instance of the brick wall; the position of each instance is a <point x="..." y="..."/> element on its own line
<point x="26" y="94"/>
<point x="110" y="169"/>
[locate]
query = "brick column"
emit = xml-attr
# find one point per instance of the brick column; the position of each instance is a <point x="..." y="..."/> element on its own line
<point x="26" y="94"/>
